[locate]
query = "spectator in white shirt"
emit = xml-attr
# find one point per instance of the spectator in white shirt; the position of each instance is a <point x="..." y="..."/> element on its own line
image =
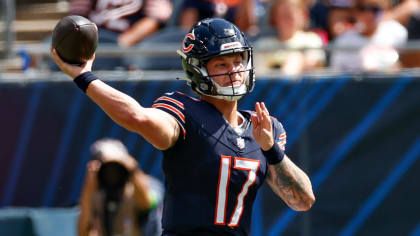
<point x="371" y="45"/>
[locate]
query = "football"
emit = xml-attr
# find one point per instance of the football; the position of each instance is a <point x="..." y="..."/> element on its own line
<point x="75" y="38"/>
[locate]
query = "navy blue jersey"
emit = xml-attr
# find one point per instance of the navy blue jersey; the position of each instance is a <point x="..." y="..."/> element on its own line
<point x="212" y="173"/>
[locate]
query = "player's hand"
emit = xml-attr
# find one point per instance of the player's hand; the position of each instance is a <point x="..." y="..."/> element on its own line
<point x="262" y="128"/>
<point x="71" y="70"/>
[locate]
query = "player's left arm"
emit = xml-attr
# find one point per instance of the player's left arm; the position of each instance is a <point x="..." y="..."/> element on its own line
<point x="285" y="178"/>
<point x="292" y="184"/>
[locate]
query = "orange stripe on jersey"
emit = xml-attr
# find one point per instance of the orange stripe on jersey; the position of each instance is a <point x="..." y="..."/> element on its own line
<point x="164" y="98"/>
<point x="283" y="136"/>
<point x="184" y="133"/>
<point x="169" y="107"/>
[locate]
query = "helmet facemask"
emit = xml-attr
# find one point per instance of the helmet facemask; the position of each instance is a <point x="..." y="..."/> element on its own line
<point x="233" y="92"/>
<point x="204" y="84"/>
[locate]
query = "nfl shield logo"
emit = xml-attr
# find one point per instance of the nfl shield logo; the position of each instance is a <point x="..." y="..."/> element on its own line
<point x="240" y="142"/>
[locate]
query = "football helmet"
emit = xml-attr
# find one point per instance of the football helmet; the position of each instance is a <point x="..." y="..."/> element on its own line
<point x="211" y="38"/>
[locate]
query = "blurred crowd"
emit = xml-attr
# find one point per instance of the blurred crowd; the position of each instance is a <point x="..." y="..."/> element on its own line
<point x="290" y="36"/>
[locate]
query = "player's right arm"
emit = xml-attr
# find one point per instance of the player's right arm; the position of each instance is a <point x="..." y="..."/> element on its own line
<point x="156" y="126"/>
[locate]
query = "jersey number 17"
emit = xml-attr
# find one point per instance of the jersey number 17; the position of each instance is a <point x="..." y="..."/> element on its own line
<point x="249" y="165"/>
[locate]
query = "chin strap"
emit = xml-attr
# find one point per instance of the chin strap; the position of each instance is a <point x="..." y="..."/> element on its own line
<point x="237" y="92"/>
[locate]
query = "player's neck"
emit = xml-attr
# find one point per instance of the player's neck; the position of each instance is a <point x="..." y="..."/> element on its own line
<point x="227" y="108"/>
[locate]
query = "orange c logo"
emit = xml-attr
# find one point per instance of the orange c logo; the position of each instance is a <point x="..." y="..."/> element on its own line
<point x="189" y="47"/>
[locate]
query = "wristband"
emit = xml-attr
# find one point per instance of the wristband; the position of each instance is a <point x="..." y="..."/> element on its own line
<point x="274" y="155"/>
<point x="83" y="80"/>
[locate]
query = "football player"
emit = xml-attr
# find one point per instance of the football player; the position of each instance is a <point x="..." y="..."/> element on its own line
<point x="215" y="157"/>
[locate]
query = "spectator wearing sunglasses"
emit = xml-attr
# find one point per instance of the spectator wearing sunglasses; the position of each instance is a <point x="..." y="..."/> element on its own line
<point x="371" y="45"/>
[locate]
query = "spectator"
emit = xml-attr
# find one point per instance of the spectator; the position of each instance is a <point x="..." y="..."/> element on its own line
<point x="118" y="198"/>
<point x="374" y="38"/>
<point x="240" y="12"/>
<point x="125" y="23"/>
<point x="411" y="58"/>
<point x="413" y="26"/>
<point x="339" y="18"/>
<point x="289" y="17"/>
<point x="330" y="18"/>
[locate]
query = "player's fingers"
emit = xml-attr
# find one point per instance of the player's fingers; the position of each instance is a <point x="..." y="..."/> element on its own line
<point x="258" y="110"/>
<point x="266" y="114"/>
<point x="254" y="120"/>
<point x="55" y="56"/>
<point x="60" y="63"/>
<point x="89" y="62"/>
<point x="264" y="108"/>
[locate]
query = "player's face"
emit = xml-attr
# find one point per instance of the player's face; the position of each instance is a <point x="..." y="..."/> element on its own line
<point x="220" y="67"/>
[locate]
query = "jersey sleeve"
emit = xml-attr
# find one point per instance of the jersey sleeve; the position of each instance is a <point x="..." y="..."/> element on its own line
<point x="173" y="105"/>
<point x="280" y="136"/>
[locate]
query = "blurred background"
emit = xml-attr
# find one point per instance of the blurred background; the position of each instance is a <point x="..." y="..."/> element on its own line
<point x="341" y="75"/>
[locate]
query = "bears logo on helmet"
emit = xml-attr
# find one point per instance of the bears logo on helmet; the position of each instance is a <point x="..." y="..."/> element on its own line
<point x="191" y="45"/>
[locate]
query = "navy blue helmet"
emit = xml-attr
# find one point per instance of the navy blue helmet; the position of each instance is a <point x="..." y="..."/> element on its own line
<point x="211" y="38"/>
